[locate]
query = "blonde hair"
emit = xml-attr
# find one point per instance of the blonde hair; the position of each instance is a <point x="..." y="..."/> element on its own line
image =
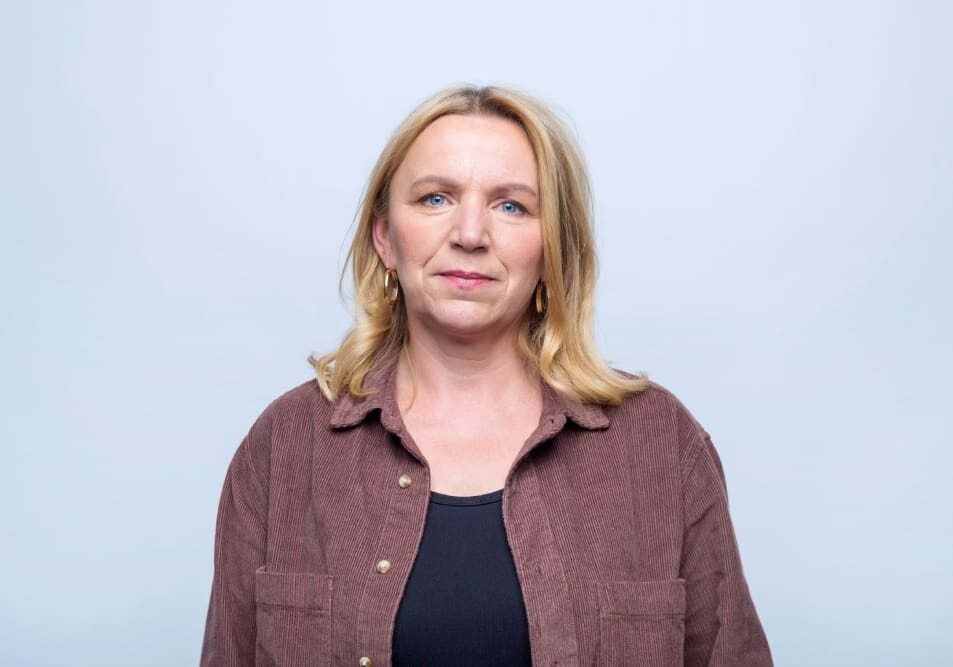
<point x="559" y="345"/>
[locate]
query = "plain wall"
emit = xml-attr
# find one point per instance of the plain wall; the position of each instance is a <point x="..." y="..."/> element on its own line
<point x="178" y="182"/>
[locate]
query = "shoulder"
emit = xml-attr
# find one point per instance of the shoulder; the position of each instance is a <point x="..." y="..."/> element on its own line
<point x="285" y="425"/>
<point x="294" y="407"/>
<point x="302" y="401"/>
<point x="658" y="407"/>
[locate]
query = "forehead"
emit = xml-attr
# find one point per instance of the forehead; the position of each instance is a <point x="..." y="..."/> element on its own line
<point x="471" y="146"/>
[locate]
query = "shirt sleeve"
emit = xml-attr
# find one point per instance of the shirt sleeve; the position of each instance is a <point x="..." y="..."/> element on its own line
<point x="721" y="624"/>
<point x="240" y="538"/>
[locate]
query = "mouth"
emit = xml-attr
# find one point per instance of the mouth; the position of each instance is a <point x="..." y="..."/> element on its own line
<point x="466" y="279"/>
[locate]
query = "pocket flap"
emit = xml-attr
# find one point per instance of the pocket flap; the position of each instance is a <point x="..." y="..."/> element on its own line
<point x="293" y="589"/>
<point x="642" y="597"/>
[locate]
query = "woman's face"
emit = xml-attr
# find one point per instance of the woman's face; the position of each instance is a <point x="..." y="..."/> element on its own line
<point x="463" y="229"/>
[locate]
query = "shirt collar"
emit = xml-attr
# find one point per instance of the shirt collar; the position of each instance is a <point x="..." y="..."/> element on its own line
<point x="350" y="410"/>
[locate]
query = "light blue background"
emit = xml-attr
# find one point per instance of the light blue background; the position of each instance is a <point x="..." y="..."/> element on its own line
<point x="773" y="190"/>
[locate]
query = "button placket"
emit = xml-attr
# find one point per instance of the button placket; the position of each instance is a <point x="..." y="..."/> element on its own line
<point x="406" y="506"/>
<point x="540" y="572"/>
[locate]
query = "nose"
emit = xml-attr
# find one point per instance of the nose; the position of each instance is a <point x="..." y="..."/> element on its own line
<point x="470" y="229"/>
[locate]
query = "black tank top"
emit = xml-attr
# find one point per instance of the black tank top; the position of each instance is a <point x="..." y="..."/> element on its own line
<point x="462" y="605"/>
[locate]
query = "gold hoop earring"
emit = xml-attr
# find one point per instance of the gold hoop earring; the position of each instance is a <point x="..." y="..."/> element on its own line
<point x="391" y="286"/>
<point x="540" y="291"/>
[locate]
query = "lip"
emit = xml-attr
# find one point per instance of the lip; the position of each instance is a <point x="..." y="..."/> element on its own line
<point x="466" y="279"/>
<point x="469" y="275"/>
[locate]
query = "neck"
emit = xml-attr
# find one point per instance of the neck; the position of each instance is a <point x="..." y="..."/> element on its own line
<point x="440" y="373"/>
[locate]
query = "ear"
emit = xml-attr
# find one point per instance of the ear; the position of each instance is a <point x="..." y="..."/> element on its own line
<point x="380" y="233"/>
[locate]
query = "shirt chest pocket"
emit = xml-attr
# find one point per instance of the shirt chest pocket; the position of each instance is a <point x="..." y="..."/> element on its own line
<point x="293" y="618"/>
<point x="641" y="623"/>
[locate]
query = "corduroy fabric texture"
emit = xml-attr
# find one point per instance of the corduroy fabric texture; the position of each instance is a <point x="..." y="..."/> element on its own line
<point x="617" y="518"/>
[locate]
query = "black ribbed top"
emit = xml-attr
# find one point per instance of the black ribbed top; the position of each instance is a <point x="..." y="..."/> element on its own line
<point x="462" y="605"/>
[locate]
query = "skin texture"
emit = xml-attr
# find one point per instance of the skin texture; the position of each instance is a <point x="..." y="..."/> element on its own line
<point x="464" y="199"/>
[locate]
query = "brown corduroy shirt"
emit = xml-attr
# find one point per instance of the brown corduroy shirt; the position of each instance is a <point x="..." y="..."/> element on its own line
<point x="617" y="519"/>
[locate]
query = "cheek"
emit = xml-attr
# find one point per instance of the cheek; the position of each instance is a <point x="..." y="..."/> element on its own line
<point x="405" y="246"/>
<point x="524" y="253"/>
<point x="414" y="242"/>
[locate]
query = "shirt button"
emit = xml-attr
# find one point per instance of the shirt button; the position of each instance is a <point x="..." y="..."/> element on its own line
<point x="365" y="662"/>
<point x="404" y="481"/>
<point x="383" y="566"/>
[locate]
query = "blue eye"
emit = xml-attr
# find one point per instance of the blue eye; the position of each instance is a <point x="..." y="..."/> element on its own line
<point x="430" y="199"/>
<point x="511" y="208"/>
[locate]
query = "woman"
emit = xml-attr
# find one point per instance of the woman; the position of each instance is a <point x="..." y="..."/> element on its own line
<point x="466" y="482"/>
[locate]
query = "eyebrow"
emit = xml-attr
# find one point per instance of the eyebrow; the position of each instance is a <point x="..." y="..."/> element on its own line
<point x="452" y="184"/>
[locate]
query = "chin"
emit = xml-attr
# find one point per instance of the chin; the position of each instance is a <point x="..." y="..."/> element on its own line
<point x="462" y="328"/>
<point x="464" y="323"/>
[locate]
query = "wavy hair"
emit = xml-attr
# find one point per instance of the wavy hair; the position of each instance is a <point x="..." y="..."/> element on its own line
<point x="559" y="345"/>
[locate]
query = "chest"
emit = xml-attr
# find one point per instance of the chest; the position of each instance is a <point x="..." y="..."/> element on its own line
<point x="473" y="458"/>
<point x="584" y="516"/>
